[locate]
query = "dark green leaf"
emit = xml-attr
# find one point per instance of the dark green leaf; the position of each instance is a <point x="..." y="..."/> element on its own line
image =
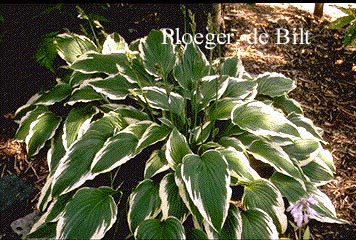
<point x="144" y="203"/>
<point x="89" y="215"/>
<point x="170" y="228"/>
<point x="207" y="180"/>
<point x="157" y="53"/>
<point x="155" y="164"/>
<point x="177" y="147"/>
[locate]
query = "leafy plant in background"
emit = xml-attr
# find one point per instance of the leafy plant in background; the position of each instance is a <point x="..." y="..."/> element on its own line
<point x="348" y="21"/>
<point x="220" y="150"/>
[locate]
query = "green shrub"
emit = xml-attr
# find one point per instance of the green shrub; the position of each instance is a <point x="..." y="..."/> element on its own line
<point x="349" y="23"/>
<point x="214" y="152"/>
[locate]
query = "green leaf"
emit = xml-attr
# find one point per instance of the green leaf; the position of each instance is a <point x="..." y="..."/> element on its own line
<point x="200" y="134"/>
<point x="350" y="34"/>
<point x="341" y="22"/>
<point x="239" y="165"/>
<point x="207" y="180"/>
<point x="144" y="203"/>
<point x="89" y="215"/>
<point x="318" y="172"/>
<point x="42" y="129"/>
<point x="191" y="67"/>
<point x="257" y="224"/>
<point x="157" y="54"/>
<point x="77" y="78"/>
<point x="84" y="94"/>
<point x="157" y="163"/>
<point x="114" y="43"/>
<point x="239" y="88"/>
<point x="171" y="202"/>
<point x="71" y="46"/>
<point x="196" y="234"/>
<point x="304" y="122"/>
<point x="170" y="228"/>
<point x="153" y="134"/>
<point x="276" y="157"/>
<point x="74" y="168"/>
<point x="57" y="206"/>
<point x="211" y="88"/>
<point x="232" y="66"/>
<point x="115" y="87"/>
<point x="293" y="191"/>
<point x="327" y="158"/>
<point x="324" y="208"/>
<point x="232" y="228"/>
<point x="47" y="52"/>
<point x="45" y="231"/>
<point x="183" y="192"/>
<point x="135" y="72"/>
<point x="158" y="98"/>
<point x="302" y="150"/>
<point x="116" y="151"/>
<point x="99" y="63"/>
<point x="262" y="194"/>
<point x="60" y="92"/>
<point x="288" y="105"/>
<point x="262" y="120"/>
<point x="274" y="84"/>
<point x="177" y="147"/>
<point x="288" y="186"/>
<point x="222" y="108"/>
<point x="56" y="152"/>
<point x="76" y="123"/>
<point x="24" y="125"/>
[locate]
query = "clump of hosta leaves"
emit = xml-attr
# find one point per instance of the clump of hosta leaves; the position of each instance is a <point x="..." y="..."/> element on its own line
<point x="221" y="150"/>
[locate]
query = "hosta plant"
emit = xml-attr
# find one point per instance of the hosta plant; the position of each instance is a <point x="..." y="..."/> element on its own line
<point x="152" y="140"/>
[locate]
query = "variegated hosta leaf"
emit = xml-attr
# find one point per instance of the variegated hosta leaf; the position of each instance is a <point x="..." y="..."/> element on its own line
<point x="77" y="78"/>
<point x="192" y="67"/>
<point x="274" y="84"/>
<point x="89" y="215"/>
<point x="114" y="43"/>
<point x="288" y="105"/>
<point x="42" y="129"/>
<point x="222" y="108"/>
<point x="144" y="203"/>
<point x="45" y="231"/>
<point x="239" y="89"/>
<point x="327" y="157"/>
<point x="262" y="120"/>
<point x="196" y="234"/>
<point x="293" y="191"/>
<point x="25" y="122"/>
<point x="170" y="228"/>
<point x="76" y="123"/>
<point x="115" y="87"/>
<point x="264" y="195"/>
<point x="155" y="164"/>
<point x="210" y="88"/>
<point x="158" y="98"/>
<point x="207" y="181"/>
<point x="84" y="94"/>
<point x="130" y="114"/>
<point x="302" y="150"/>
<point x="171" y="202"/>
<point x="232" y="228"/>
<point x="276" y="157"/>
<point x="116" y="151"/>
<point x="301" y="121"/>
<point x="72" y="46"/>
<point x="200" y="134"/>
<point x="318" y="171"/>
<point x="58" y="93"/>
<point x="74" y="168"/>
<point x="257" y="224"/>
<point x="232" y="66"/>
<point x="177" y="147"/>
<point x="126" y="144"/>
<point x="135" y="72"/>
<point x="93" y="62"/>
<point x="196" y="216"/>
<point x="239" y="165"/>
<point x="157" y="53"/>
